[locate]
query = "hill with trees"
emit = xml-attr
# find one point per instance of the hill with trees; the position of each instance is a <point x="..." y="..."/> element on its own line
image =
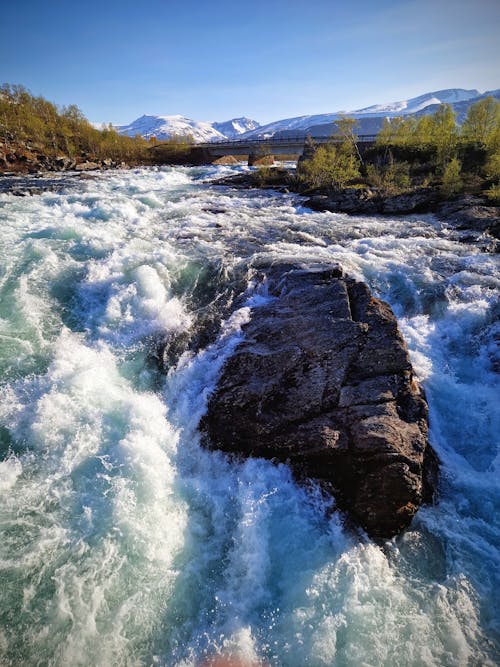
<point x="37" y="134"/>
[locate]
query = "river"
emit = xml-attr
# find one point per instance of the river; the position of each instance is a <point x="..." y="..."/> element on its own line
<point x="123" y="541"/>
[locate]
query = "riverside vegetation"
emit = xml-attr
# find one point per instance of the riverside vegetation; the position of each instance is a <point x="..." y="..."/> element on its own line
<point x="36" y="134"/>
<point x="414" y="152"/>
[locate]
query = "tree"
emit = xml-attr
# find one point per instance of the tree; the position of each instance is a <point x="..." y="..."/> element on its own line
<point x="483" y="121"/>
<point x="444" y="135"/>
<point x="452" y="182"/>
<point x="346" y="127"/>
<point x="332" y="166"/>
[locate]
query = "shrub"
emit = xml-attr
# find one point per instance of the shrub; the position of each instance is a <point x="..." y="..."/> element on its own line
<point x="493" y="193"/>
<point x="391" y="177"/>
<point x="452" y="182"/>
<point x="332" y="166"/>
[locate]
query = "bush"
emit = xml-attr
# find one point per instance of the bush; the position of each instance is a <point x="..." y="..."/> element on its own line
<point x="493" y="194"/>
<point x="452" y="182"/>
<point x="392" y="177"/>
<point x="332" y="166"/>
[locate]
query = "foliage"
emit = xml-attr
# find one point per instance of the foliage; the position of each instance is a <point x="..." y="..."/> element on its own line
<point x="452" y="182"/>
<point x="269" y="175"/>
<point x="482" y="124"/>
<point x="41" y="126"/>
<point x="493" y="166"/>
<point x="390" y="177"/>
<point x="331" y="166"/>
<point x="459" y="156"/>
<point x="493" y="193"/>
<point x="493" y="172"/>
<point x="346" y="127"/>
<point x="437" y="133"/>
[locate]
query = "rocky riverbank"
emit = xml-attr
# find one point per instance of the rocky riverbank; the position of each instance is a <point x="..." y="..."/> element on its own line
<point x="26" y="159"/>
<point x="323" y="381"/>
<point x="472" y="213"/>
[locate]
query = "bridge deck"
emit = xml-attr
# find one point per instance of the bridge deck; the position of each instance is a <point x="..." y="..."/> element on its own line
<point x="292" y="144"/>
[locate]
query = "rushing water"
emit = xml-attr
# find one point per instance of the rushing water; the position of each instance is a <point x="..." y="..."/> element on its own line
<point x="123" y="542"/>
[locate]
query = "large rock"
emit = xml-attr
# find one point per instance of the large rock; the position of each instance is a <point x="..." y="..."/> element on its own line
<point x="323" y="381"/>
<point x="226" y="159"/>
<point x="361" y="201"/>
<point x="87" y="166"/>
<point x="470" y="212"/>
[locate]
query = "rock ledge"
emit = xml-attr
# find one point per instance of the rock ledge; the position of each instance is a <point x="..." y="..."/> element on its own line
<point x="323" y="381"/>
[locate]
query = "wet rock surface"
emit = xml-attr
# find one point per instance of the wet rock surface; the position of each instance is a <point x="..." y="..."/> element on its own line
<point x="323" y="381"/>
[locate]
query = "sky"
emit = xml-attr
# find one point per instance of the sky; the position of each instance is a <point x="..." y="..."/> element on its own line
<point x="265" y="59"/>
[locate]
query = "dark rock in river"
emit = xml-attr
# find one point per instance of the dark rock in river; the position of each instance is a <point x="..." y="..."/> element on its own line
<point x="323" y="381"/>
<point x="472" y="213"/>
<point x="363" y="201"/>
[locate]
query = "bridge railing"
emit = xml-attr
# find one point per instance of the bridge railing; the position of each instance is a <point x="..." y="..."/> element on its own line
<point x="299" y="139"/>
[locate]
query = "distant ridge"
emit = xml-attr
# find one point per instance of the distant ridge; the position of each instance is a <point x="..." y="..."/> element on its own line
<point x="369" y="118"/>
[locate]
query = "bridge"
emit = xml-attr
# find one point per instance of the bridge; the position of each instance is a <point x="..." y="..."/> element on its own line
<point x="273" y="146"/>
<point x="166" y="153"/>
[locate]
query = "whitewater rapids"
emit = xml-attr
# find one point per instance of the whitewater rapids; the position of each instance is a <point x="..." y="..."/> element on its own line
<point x="122" y="541"/>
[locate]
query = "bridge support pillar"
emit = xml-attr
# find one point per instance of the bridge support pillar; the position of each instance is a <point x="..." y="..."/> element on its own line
<point x="257" y="159"/>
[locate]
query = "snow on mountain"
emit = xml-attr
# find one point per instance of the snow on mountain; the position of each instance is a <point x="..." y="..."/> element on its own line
<point x="236" y="126"/>
<point x="415" y="104"/>
<point x="166" y="127"/>
<point x="370" y="119"/>
<point x="403" y="107"/>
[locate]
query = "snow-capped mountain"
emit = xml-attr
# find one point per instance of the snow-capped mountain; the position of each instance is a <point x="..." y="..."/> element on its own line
<point x="302" y="124"/>
<point x="236" y="126"/>
<point x="370" y="119"/>
<point x="166" y="127"/>
<point x="415" y="104"/>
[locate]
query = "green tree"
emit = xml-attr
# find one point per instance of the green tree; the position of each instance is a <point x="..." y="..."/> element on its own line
<point x="444" y="135"/>
<point x="452" y="182"/>
<point x="332" y="166"/>
<point x="482" y="122"/>
<point x="346" y="126"/>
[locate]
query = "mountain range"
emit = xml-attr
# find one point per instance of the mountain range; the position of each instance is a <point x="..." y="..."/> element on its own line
<point x="369" y="119"/>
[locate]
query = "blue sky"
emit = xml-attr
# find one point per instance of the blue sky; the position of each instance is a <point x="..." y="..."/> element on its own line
<point x="264" y="59"/>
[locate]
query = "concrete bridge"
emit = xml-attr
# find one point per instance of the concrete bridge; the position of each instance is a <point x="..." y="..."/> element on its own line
<point x="167" y="153"/>
<point x="272" y="146"/>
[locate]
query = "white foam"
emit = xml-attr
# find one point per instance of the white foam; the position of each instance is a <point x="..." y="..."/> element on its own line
<point x="125" y="541"/>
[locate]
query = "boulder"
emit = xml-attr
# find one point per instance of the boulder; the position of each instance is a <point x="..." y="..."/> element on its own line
<point x="64" y="163"/>
<point x="323" y="381"/>
<point x="355" y="201"/>
<point x="470" y="212"/>
<point x="87" y="166"/>
<point x="420" y="199"/>
<point x="226" y="159"/>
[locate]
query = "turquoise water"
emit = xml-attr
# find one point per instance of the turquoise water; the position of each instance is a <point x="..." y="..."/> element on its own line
<point x="125" y="543"/>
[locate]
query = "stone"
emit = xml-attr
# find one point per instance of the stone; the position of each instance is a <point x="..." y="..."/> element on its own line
<point x="87" y="166"/>
<point x="226" y="159"/>
<point x="323" y="381"/>
<point x="474" y="213"/>
<point x="421" y="199"/>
